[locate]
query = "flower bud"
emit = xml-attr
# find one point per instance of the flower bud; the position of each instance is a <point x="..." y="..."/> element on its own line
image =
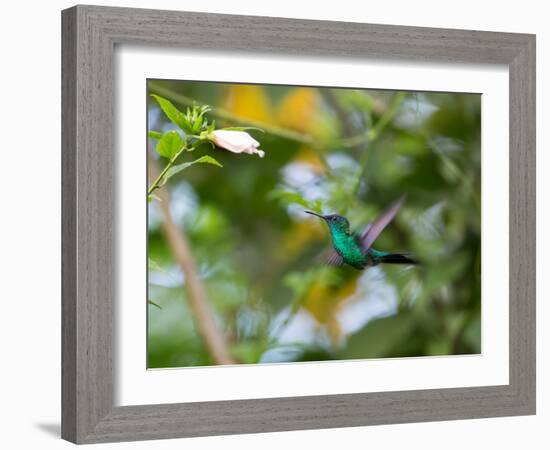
<point x="236" y="142"/>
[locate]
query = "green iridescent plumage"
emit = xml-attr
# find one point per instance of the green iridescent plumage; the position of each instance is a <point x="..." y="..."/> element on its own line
<point x="355" y="249"/>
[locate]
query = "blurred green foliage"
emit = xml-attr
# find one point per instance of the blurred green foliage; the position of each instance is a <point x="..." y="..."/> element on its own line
<point x="344" y="151"/>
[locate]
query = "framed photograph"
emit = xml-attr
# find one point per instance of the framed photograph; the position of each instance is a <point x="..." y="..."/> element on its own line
<point x="277" y="224"/>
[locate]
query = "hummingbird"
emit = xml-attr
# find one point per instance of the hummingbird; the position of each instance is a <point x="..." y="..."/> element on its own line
<point x="354" y="249"/>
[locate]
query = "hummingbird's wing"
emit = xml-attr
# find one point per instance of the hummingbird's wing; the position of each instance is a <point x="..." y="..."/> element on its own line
<point x="372" y="231"/>
<point x="331" y="257"/>
<point x="334" y="259"/>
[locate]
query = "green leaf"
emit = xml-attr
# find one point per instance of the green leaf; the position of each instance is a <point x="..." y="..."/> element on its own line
<point x="154" y="135"/>
<point x="380" y="338"/>
<point x="211" y="127"/>
<point x="178" y="168"/>
<point x="248" y="352"/>
<point x="152" y="197"/>
<point x="151" y="302"/>
<point x="242" y="129"/>
<point x="170" y="144"/>
<point x="173" y="113"/>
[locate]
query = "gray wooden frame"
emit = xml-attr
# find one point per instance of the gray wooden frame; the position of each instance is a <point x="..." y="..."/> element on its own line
<point x="90" y="34"/>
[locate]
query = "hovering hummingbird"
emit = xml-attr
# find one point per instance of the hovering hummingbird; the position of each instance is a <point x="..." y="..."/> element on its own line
<point x="355" y="249"/>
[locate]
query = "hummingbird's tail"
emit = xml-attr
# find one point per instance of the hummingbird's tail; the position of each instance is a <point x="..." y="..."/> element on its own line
<point x="397" y="258"/>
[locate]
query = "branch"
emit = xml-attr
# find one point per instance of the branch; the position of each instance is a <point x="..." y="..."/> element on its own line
<point x="198" y="300"/>
<point x="372" y="135"/>
<point x="223" y="114"/>
<point x="348" y="130"/>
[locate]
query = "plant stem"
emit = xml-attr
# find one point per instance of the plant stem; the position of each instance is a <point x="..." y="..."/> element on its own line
<point x="156" y="184"/>
<point x="198" y="300"/>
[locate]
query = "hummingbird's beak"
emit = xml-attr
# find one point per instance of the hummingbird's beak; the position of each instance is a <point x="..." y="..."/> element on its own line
<point x="315" y="214"/>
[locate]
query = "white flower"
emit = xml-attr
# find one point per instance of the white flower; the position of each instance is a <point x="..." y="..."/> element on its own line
<point x="236" y="142"/>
